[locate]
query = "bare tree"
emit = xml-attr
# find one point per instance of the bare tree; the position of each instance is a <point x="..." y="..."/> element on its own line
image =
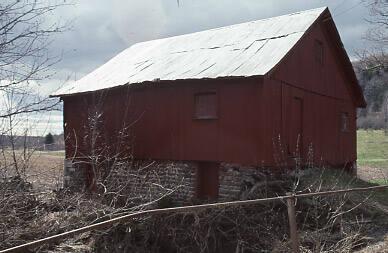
<point x="27" y="28"/>
<point x="25" y="35"/>
<point x="379" y="19"/>
<point x="376" y="56"/>
<point x="372" y="66"/>
<point x="385" y="111"/>
<point x="378" y="34"/>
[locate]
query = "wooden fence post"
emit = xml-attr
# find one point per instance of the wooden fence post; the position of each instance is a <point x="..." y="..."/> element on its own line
<point x="292" y="222"/>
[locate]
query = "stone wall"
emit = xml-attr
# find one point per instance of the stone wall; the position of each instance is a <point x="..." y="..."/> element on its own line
<point x="142" y="180"/>
<point x="73" y="176"/>
<point x="153" y="180"/>
<point x="149" y="180"/>
<point x="235" y="180"/>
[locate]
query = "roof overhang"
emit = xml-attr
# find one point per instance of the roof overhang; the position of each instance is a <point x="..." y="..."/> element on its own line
<point x="163" y="83"/>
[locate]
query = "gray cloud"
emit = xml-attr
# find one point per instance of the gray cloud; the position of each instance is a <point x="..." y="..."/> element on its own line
<point x="101" y="29"/>
<point x="104" y="28"/>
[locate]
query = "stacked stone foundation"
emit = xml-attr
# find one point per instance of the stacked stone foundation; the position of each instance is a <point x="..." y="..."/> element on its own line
<point x="150" y="180"/>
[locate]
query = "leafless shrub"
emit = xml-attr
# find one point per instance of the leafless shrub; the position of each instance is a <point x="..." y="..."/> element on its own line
<point x="27" y="213"/>
<point x="242" y="229"/>
<point x="334" y="223"/>
<point x="327" y="224"/>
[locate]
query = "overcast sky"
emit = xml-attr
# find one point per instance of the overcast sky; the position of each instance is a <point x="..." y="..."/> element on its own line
<point x="101" y="29"/>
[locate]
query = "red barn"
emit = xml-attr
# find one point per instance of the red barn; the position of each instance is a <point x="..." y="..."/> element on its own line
<point x="254" y="94"/>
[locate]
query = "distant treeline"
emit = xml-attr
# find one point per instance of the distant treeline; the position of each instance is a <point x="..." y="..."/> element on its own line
<point x="32" y="142"/>
<point x="374" y="83"/>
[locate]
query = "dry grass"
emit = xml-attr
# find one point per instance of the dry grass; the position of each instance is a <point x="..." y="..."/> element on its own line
<point x="46" y="171"/>
<point x="369" y="219"/>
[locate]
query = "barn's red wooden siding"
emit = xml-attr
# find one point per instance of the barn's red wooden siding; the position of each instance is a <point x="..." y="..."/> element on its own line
<point x="256" y="115"/>
<point x="326" y="92"/>
<point x="163" y="125"/>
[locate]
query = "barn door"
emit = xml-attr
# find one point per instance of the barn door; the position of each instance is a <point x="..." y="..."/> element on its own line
<point x="296" y="128"/>
<point x="207" y="180"/>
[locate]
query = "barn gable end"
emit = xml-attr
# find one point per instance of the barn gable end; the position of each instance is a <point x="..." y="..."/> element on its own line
<point x="315" y="74"/>
<point x="333" y="76"/>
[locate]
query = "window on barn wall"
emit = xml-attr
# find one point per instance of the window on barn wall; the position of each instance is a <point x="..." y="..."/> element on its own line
<point x="318" y="51"/>
<point x="344" y="122"/>
<point x="205" y="105"/>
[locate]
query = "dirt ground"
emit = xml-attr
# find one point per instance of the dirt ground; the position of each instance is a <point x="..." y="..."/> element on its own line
<point x="377" y="175"/>
<point x="380" y="247"/>
<point x="46" y="172"/>
<point x="373" y="174"/>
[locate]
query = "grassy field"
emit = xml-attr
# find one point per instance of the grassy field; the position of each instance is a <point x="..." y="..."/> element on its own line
<point x="59" y="153"/>
<point x="372" y="148"/>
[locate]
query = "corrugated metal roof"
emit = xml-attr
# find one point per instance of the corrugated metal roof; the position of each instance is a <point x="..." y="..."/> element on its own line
<point x="248" y="49"/>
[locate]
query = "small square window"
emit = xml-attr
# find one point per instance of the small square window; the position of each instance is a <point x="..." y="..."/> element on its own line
<point x="205" y="105"/>
<point x="318" y="48"/>
<point x="344" y="122"/>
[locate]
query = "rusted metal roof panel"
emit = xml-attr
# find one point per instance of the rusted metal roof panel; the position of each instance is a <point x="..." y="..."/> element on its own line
<point x="242" y="50"/>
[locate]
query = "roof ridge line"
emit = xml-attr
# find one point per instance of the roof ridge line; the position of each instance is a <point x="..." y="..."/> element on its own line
<point x="228" y="26"/>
